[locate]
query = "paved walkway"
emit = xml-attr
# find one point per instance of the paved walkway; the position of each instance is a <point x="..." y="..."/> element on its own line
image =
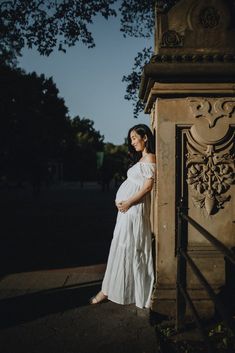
<point x="48" y="312"/>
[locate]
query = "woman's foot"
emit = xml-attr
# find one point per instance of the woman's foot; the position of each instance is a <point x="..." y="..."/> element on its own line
<point x="98" y="298"/>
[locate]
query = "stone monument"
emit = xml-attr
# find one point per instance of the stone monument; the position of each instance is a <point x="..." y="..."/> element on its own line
<point x="189" y="90"/>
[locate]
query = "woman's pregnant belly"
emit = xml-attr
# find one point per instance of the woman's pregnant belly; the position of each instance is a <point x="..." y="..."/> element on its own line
<point x="126" y="190"/>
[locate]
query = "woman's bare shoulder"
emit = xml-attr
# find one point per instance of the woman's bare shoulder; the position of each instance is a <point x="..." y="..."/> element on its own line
<point x="151" y="158"/>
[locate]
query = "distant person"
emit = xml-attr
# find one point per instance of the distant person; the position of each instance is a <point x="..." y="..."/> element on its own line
<point x="129" y="275"/>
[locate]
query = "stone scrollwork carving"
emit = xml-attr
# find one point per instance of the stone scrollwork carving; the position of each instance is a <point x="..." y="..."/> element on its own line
<point x="213" y="109"/>
<point x="209" y="17"/>
<point x="210" y="166"/>
<point x="171" y="39"/>
<point x="210" y="174"/>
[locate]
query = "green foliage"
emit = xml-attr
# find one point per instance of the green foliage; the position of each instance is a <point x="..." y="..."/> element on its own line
<point x="85" y="133"/>
<point x="33" y="120"/>
<point x="134" y="78"/>
<point x="117" y="156"/>
<point x="114" y="164"/>
<point x="47" y="24"/>
<point x="35" y="129"/>
<point x="137" y="17"/>
<point x="221" y="339"/>
<point x="80" y="160"/>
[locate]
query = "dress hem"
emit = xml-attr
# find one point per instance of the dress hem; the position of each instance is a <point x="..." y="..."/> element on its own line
<point x="118" y="302"/>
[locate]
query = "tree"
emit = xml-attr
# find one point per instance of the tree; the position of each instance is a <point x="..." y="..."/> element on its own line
<point x="50" y="24"/>
<point x="34" y="124"/>
<point x="81" y="155"/>
<point x="47" y="24"/>
<point x="134" y="78"/>
<point x="35" y="130"/>
<point x="115" y="163"/>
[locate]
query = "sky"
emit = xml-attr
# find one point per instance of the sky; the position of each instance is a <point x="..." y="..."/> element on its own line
<point x="90" y="80"/>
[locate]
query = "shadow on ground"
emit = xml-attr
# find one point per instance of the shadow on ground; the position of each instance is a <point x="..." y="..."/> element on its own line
<point x="28" y="307"/>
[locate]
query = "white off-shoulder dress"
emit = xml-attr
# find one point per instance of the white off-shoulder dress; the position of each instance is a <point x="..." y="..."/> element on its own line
<point x="129" y="275"/>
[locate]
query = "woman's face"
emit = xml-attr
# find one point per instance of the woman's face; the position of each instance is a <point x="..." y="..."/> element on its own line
<point x="137" y="141"/>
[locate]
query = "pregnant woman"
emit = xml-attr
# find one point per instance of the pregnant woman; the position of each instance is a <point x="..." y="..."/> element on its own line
<point x="129" y="273"/>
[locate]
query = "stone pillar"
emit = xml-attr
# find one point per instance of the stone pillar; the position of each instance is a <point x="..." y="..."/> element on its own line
<point x="188" y="88"/>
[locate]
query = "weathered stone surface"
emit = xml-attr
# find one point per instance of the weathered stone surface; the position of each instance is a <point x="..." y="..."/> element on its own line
<point x="188" y="88"/>
<point x="170" y="115"/>
<point x="191" y="26"/>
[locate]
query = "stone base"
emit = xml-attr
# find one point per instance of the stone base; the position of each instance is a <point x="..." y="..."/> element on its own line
<point x="164" y="303"/>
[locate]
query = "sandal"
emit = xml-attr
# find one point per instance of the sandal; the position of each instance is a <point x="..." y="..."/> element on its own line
<point x="98" y="298"/>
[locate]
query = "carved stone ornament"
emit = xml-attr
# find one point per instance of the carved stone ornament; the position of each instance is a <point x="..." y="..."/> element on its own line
<point x="211" y="166"/>
<point x="171" y="39"/>
<point x="209" y="17"/>
<point x="212" y="109"/>
<point x="193" y="58"/>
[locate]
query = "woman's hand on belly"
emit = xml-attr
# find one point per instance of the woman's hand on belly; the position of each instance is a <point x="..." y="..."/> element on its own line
<point x="123" y="206"/>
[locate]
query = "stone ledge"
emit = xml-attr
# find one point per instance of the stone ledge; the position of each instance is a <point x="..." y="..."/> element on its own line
<point x="185" y="72"/>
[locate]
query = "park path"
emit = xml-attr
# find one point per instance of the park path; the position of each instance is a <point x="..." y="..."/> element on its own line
<point x="48" y="312"/>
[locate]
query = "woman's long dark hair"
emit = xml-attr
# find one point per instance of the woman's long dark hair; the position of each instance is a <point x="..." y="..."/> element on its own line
<point x="142" y="130"/>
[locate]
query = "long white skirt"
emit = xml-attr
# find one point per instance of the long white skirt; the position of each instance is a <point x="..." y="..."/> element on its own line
<point x="129" y="275"/>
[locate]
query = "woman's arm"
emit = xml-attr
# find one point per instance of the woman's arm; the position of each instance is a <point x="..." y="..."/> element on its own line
<point x="124" y="206"/>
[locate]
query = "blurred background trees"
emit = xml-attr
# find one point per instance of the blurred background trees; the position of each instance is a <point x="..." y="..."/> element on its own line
<point x="80" y="159"/>
<point x="37" y="135"/>
<point x="114" y="165"/>
<point x="34" y="124"/>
